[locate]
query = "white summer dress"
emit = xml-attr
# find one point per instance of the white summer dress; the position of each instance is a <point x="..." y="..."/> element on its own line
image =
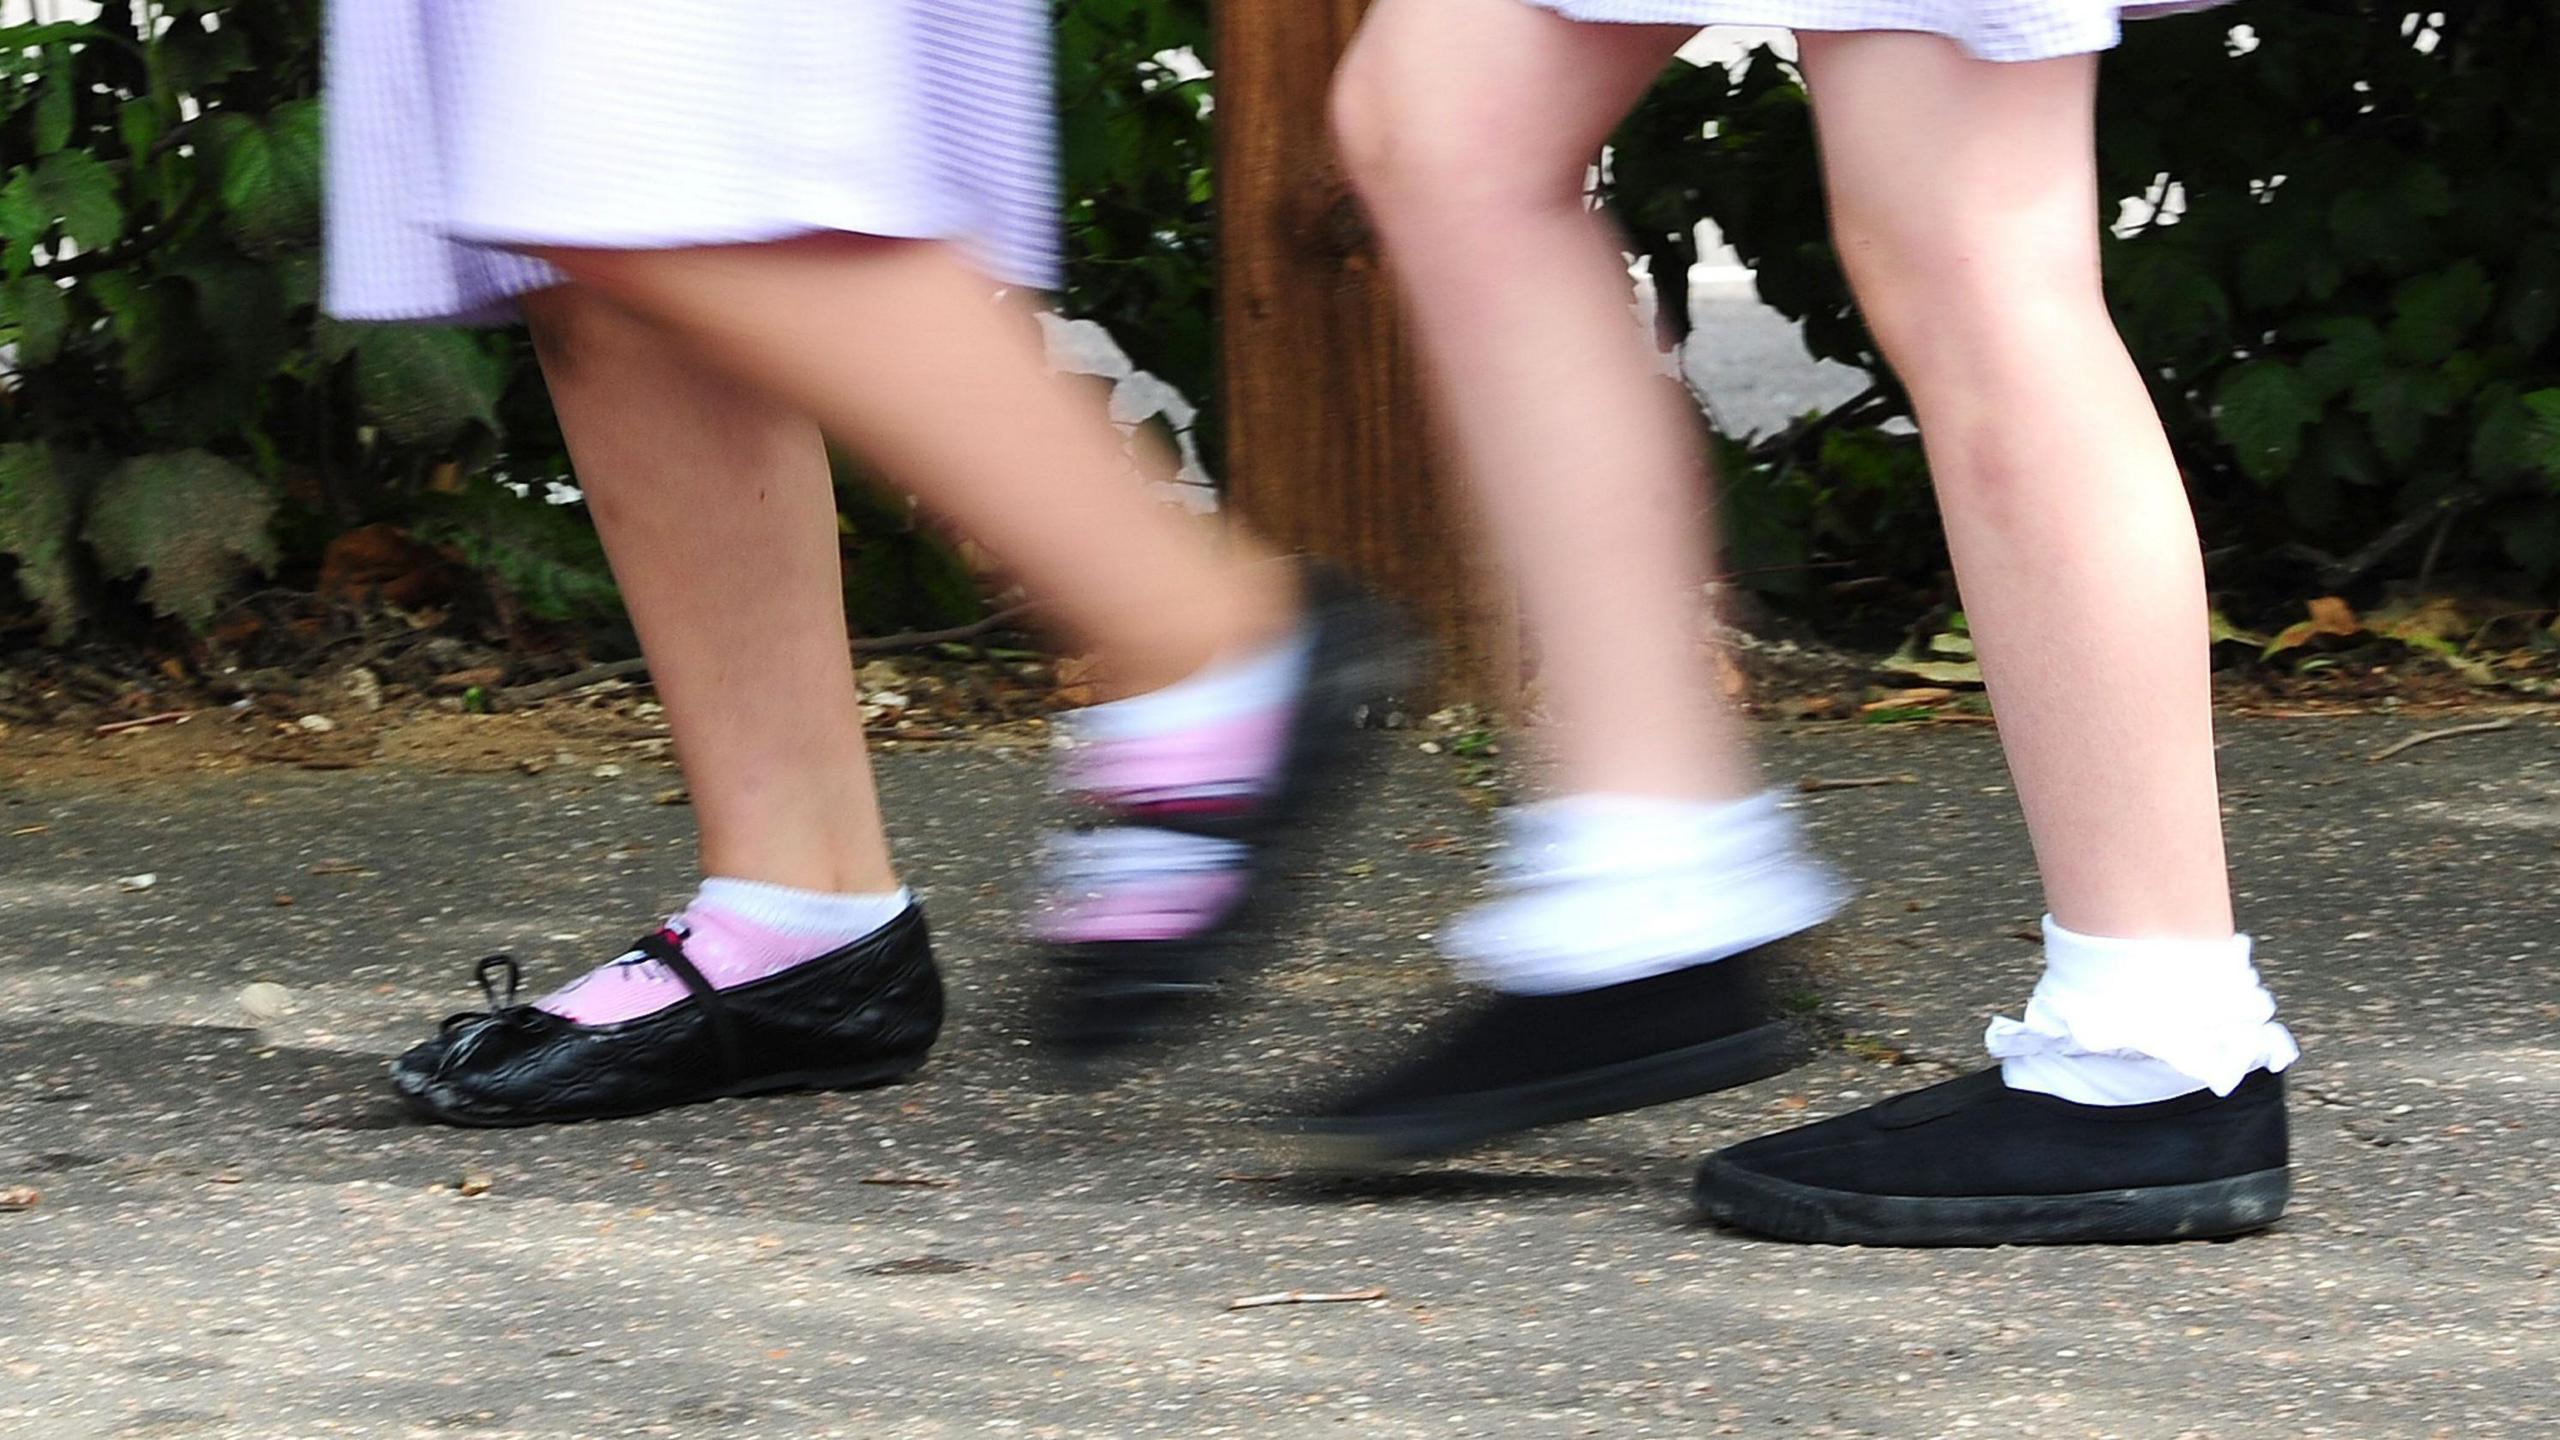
<point x="1989" y="29"/>
<point x="460" y="127"/>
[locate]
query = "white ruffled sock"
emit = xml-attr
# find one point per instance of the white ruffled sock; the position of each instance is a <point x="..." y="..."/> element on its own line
<point x="1604" y="889"/>
<point x="2128" y="1022"/>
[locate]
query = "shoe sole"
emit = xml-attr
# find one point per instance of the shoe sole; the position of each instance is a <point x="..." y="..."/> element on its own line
<point x="1371" y="1143"/>
<point x="2203" y="1210"/>
<point x="421" y="1101"/>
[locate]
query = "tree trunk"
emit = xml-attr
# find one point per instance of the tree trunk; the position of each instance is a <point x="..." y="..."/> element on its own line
<point x="1328" y="449"/>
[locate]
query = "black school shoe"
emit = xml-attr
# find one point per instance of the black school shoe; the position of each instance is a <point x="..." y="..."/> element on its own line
<point x="1973" y="1162"/>
<point x="1520" y="1061"/>
<point x="1109" y="997"/>
<point x="863" y="1015"/>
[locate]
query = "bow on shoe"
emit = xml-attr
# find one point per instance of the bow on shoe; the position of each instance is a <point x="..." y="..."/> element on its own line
<point x="486" y="973"/>
<point x="504" y="1013"/>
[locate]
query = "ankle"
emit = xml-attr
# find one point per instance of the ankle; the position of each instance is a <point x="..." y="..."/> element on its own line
<point x="1261" y="604"/>
<point x="817" y="868"/>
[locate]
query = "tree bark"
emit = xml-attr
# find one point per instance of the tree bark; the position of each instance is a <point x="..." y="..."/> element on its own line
<point x="1328" y="444"/>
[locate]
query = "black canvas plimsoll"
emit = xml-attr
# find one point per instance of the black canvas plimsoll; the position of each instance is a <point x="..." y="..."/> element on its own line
<point x="865" y="1014"/>
<point x="1515" y="1062"/>
<point x="1974" y="1162"/>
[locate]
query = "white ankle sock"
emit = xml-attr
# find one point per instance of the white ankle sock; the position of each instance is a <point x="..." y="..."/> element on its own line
<point x="1603" y="889"/>
<point x="820" y="914"/>
<point x="1217" y="692"/>
<point x="2127" y="1022"/>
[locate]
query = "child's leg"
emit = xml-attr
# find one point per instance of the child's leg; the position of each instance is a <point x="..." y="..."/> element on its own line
<point x="1964" y="201"/>
<point x="1625" y="947"/>
<point x="1237" y="680"/>
<point x="901" y="351"/>
<point x="1468" y="127"/>
<point x="2139" y="1100"/>
<point x="717" y="510"/>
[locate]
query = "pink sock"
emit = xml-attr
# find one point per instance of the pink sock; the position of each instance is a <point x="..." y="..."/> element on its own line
<point x="735" y="932"/>
<point x="1208" y="746"/>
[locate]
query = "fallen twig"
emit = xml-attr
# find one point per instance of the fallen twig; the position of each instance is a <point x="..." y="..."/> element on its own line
<point x="871" y="645"/>
<point x="2482" y="728"/>
<point x="914" y="639"/>
<point x="1812" y="784"/>
<point x="1307" y="1297"/>
<point x="917" y="1182"/>
<point x="166" y="717"/>
<point x="574" y="680"/>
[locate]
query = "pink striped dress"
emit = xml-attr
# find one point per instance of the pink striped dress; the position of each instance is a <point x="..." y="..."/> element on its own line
<point x="1989" y="29"/>
<point x="459" y="128"/>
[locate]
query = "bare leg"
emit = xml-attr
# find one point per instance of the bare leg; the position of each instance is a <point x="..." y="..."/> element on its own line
<point x="1468" y="126"/>
<point x="900" y="351"/>
<point x="1964" y="201"/>
<point x="1624" y="944"/>
<point x="717" y="510"/>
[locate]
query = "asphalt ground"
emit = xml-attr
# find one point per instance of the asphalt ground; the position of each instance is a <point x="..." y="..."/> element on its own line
<point x="236" y="1234"/>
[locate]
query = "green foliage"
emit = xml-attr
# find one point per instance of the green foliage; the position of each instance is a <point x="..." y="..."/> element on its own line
<point x="159" y="218"/>
<point x="189" y="524"/>
<point x="546" y="556"/>
<point x="1135" y="144"/>
<point x="39" y="514"/>
<point x="2348" y="319"/>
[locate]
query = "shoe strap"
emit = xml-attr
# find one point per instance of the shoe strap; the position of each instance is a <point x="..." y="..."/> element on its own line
<point x="663" y="948"/>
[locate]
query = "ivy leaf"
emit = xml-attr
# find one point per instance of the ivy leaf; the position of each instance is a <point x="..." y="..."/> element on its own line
<point x="2351" y="354"/>
<point x="2533" y="305"/>
<point x="197" y="59"/>
<point x="71" y="187"/>
<point x="153" y="323"/>
<point x="191" y="523"/>
<point x="140" y="124"/>
<point x="36" y="306"/>
<point x="271" y="180"/>
<point x="2260" y="409"/>
<point x="2397" y="404"/>
<point x="2502" y="436"/>
<point x="2432" y="314"/>
<point x="242" y="307"/>
<point x="23" y="38"/>
<point x="2371" y="227"/>
<point x="2544" y="444"/>
<point x="22" y="222"/>
<point x="39" y="509"/>
<point x="421" y="385"/>
<point x="2270" y="273"/>
<point x="56" y="90"/>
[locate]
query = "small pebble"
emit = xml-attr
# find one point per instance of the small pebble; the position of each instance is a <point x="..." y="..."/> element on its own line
<point x="265" y="1000"/>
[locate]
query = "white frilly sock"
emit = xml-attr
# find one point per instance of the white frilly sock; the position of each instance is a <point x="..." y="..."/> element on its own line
<point x="1603" y="889"/>
<point x="2127" y="1022"/>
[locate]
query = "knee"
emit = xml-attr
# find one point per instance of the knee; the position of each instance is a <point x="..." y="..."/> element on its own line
<point x="1419" y="147"/>
<point x="1952" y="305"/>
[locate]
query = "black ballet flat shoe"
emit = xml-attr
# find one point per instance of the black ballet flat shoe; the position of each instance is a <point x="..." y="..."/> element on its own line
<point x="1106" y="998"/>
<point x="1973" y="1162"/>
<point x="1516" y="1062"/>
<point x="855" y="1017"/>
